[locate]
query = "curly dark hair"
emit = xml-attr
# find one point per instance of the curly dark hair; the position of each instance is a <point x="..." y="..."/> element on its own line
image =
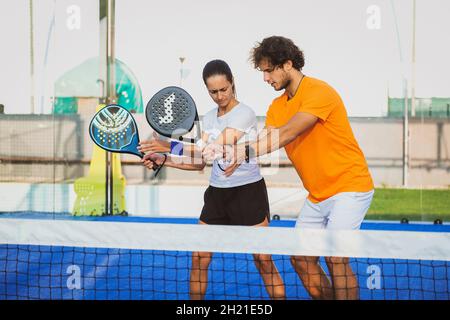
<point x="277" y="50"/>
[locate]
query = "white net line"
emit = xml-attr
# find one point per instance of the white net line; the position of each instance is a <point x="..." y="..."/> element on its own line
<point x="228" y="239"/>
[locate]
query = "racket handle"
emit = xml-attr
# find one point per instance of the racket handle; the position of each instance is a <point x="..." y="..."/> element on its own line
<point x="157" y="167"/>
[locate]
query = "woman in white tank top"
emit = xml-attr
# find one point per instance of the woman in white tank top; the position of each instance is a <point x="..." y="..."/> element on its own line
<point x="237" y="199"/>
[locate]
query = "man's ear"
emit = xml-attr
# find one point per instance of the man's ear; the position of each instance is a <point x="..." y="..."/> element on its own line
<point x="287" y="66"/>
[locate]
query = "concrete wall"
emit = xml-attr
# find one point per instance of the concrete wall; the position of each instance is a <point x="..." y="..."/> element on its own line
<point x="141" y="199"/>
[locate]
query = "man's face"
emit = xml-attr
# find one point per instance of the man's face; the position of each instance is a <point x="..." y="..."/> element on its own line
<point x="277" y="77"/>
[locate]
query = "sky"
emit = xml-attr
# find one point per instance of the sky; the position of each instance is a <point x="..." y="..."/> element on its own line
<point x="362" y="48"/>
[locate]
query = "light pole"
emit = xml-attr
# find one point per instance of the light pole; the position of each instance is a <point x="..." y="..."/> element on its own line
<point x="413" y="64"/>
<point x="181" y="69"/>
<point x="30" y="5"/>
<point x="405" y="159"/>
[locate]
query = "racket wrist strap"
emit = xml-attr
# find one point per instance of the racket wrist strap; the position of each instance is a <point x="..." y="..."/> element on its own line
<point x="158" y="167"/>
<point x="176" y="148"/>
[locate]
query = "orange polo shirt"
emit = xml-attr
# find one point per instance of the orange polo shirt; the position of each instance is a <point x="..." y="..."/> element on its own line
<point x="327" y="157"/>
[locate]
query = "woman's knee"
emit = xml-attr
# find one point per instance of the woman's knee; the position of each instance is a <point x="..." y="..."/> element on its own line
<point x="336" y="260"/>
<point x="303" y="263"/>
<point x="263" y="261"/>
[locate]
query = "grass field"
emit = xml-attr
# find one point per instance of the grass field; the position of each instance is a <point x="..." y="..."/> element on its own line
<point x="415" y="205"/>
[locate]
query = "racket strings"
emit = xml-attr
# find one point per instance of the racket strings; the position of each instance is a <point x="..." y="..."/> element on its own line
<point x="112" y="121"/>
<point x="113" y="128"/>
<point x="171" y="111"/>
<point x="115" y="140"/>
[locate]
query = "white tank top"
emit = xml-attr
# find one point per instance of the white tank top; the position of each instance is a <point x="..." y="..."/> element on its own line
<point x="242" y="118"/>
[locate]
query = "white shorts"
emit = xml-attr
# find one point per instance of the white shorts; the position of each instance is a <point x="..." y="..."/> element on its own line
<point x="343" y="211"/>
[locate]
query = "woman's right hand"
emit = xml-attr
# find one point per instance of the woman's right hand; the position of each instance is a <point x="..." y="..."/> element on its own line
<point x="154" y="145"/>
<point x="150" y="159"/>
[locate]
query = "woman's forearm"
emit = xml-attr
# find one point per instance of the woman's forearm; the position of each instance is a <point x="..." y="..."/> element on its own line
<point x="185" y="163"/>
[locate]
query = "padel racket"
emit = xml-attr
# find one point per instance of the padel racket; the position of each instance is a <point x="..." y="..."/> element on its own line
<point x="114" y="129"/>
<point x="172" y="113"/>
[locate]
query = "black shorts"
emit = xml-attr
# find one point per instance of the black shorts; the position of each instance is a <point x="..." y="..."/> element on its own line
<point x="245" y="205"/>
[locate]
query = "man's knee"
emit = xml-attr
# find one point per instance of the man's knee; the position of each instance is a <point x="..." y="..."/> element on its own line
<point x="201" y="259"/>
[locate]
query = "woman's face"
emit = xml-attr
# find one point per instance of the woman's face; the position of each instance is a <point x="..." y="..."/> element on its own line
<point x="220" y="90"/>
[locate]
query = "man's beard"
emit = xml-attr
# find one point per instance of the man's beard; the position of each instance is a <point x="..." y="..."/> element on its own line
<point x="284" y="85"/>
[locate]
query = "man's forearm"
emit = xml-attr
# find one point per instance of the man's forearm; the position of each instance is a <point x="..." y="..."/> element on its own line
<point x="270" y="140"/>
<point x="192" y="151"/>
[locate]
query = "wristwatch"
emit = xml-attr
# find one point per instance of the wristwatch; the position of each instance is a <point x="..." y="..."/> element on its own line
<point x="249" y="152"/>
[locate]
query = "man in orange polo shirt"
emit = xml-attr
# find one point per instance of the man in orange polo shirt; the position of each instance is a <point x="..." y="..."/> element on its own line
<point x="309" y="119"/>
